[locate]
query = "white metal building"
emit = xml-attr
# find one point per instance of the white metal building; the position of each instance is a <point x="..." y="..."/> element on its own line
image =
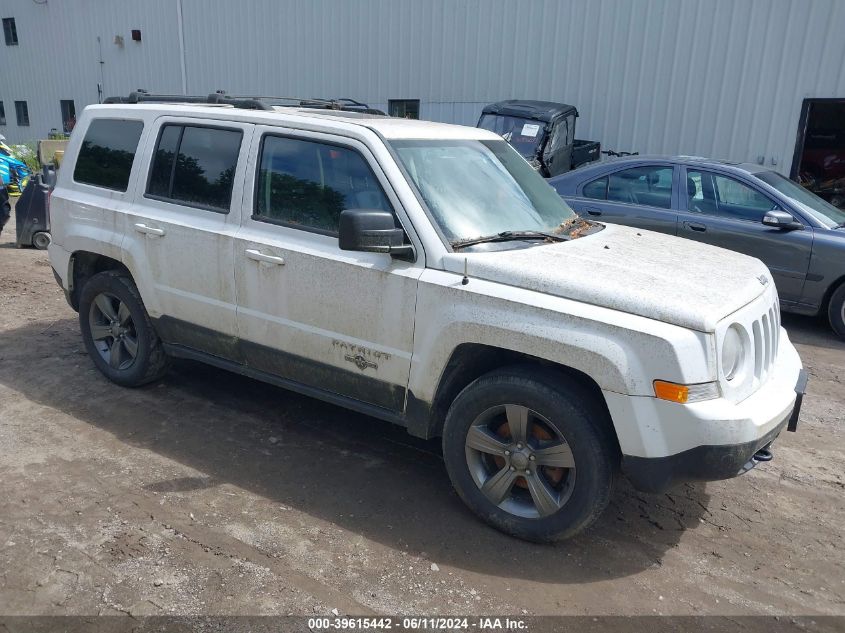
<point x="722" y="78"/>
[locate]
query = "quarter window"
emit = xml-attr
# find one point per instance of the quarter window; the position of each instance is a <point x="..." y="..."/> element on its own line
<point x="108" y="149"/>
<point x="195" y="166"/>
<point x="597" y="189"/>
<point x="649" y="186"/>
<point x="307" y="184"/>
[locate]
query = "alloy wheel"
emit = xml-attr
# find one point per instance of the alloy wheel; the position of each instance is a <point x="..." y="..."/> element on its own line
<point x="113" y="331"/>
<point x="520" y="461"/>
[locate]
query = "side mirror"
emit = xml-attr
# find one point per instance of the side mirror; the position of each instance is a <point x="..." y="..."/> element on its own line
<point x="372" y="231"/>
<point x="781" y="220"/>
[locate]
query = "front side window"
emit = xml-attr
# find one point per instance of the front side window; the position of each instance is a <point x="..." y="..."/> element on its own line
<point x="195" y="166"/>
<point x="648" y="185"/>
<point x="740" y="201"/>
<point x="307" y="184"/>
<point x="22" y="113"/>
<point x="477" y="188"/>
<point x="108" y="149"/>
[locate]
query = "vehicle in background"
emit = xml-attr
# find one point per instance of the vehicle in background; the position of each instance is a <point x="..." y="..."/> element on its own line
<point x="746" y="208"/>
<point x="543" y="132"/>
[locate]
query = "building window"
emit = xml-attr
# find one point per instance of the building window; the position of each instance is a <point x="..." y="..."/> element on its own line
<point x="10" y="31"/>
<point x="404" y="108"/>
<point x="22" y="113"/>
<point x="108" y="149"/>
<point x="2" y="114"/>
<point x="68" y="115"/>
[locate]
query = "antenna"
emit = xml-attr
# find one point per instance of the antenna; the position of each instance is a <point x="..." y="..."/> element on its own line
<point x="465" y="280"/>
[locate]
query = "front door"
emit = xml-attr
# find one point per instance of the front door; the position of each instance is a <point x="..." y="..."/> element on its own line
<point x="341" y="322"/>
<point x="183" y="226"/>
<point x="727" y="212"/>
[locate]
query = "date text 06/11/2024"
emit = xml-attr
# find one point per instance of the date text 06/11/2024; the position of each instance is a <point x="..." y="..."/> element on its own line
<point x="417" y="623"/>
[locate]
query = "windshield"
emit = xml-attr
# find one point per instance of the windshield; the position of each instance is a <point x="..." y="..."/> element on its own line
<point x="810" y="203"/>
<point x="524" y="134"/>
<point x="479" y="188"/>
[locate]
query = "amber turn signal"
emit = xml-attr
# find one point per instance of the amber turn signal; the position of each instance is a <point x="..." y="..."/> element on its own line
<point x="671" y="391"/>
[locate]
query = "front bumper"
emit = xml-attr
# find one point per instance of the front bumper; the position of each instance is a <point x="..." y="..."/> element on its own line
<point x="665" y="443"/>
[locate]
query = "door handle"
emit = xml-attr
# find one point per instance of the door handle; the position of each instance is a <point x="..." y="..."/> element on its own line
<point x="593" y="211"/>
<point x="696" y="226"/>
<point x="258" y="256"/>
<point x="149" y="230"/>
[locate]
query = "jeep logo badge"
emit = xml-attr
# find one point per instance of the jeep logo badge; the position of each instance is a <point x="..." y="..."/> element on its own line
<point x="763" y="280"/>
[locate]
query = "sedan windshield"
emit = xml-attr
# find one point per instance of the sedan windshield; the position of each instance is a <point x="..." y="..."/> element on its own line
<point x="479" y="188"/>
<point x="821" y="210"/>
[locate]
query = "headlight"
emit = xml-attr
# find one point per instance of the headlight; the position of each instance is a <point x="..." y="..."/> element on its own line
<point x="733" y="352"/>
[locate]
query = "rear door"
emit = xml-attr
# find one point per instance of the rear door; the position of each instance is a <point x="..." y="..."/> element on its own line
<point x="642" y="196"/>
<point x="727" y="211"/>
<point x="181" y="230"/>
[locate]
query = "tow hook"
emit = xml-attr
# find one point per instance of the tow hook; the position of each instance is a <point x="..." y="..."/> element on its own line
<point x="763" y="455"/>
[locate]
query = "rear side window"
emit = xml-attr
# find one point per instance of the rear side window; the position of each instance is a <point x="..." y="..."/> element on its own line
<point x="195" y="166"/>
<point x="649" y="186"/>
<point x="108" y="149"/>
<point x="308" y="184"/>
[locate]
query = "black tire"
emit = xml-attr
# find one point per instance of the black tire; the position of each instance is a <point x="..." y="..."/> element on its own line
<point x="116" y="289"/>
<point x="836" y="311"/>
<point x="555" y="401"/>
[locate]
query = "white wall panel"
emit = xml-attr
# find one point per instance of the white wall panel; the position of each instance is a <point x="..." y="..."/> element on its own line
<point x="723" y="78"/>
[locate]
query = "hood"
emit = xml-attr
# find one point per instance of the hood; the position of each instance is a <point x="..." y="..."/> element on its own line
<point x="657" y="276"/>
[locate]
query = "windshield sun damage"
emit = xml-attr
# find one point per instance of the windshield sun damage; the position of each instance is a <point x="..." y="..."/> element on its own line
<point x="484" y="189"/>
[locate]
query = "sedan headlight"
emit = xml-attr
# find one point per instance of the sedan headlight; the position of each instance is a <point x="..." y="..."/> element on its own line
<point x="733" y="352"/>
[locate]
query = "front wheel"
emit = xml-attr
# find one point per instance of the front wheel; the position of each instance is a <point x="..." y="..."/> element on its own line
<point x="526" y="452"/>
<point x="836" y="311"/>
<point x="117" y="331"/>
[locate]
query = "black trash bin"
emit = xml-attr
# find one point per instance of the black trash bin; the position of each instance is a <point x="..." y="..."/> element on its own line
<point x="5" y="207"/>
<point x="32" y="211"/>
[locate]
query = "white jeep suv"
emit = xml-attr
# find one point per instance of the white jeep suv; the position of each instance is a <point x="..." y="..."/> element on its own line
<point x="424" y="274"/>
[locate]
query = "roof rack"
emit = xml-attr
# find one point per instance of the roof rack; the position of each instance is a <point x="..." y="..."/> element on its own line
<point x="247" y="102"/>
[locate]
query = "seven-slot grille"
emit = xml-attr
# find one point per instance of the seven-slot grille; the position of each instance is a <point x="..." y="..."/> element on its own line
<point x="766" y="336"/>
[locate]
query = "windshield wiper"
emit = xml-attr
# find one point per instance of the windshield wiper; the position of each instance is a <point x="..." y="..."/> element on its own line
<point x="507" y="236"/>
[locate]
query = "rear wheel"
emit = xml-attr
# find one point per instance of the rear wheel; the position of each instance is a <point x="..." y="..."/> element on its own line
<point x="526" y="453"/>
<point x="117" y="331"/>
<point x="836" y="311"/>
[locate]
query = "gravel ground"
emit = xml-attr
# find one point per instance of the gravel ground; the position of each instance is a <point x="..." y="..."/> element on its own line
<point x="208" y="493"/>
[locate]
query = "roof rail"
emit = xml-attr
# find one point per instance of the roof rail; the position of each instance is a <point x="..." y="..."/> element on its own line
<point x="247" y="102"/>
<point x="219" y="97"/>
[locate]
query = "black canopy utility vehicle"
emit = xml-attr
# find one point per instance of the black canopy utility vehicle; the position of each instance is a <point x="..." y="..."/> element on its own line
<point x="542" y="131"/>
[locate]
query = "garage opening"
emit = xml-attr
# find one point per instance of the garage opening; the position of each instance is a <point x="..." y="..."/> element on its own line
<point x="819" y="162"/>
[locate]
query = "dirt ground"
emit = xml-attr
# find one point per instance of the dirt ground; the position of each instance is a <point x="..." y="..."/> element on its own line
<point x="209" y="493"/>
